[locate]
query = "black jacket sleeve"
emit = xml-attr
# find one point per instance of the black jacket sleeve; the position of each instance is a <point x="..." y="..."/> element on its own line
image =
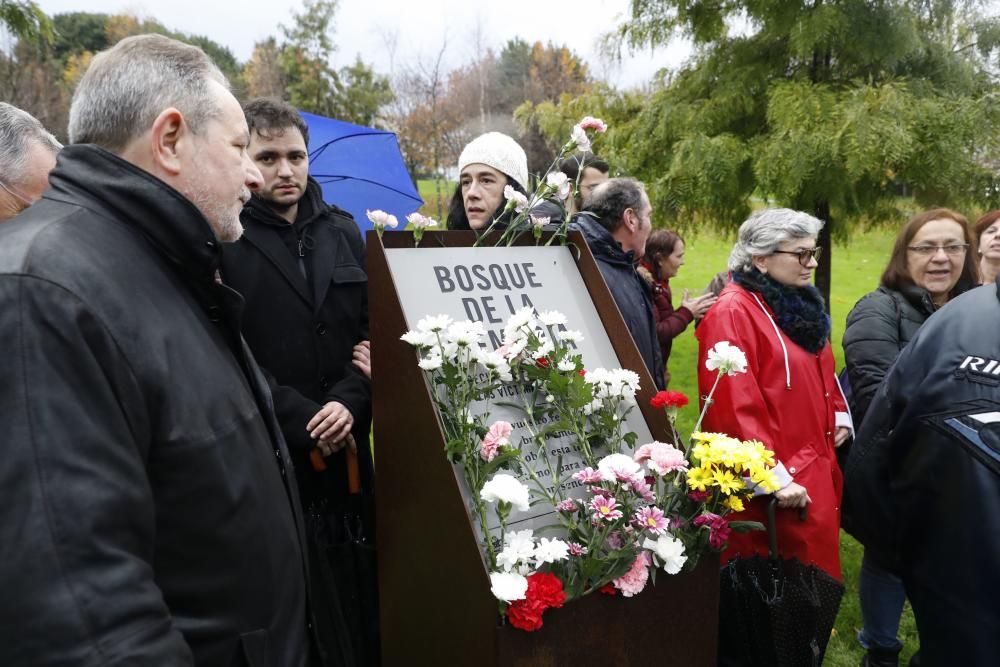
<point x="293" y="411"/>
<point x="78" y="516"/>
<point x="871" y="345"/>
<point x="354" y="389"/>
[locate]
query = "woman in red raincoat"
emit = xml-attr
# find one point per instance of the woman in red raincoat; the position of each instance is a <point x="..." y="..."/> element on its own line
<point x="789" y="398"/>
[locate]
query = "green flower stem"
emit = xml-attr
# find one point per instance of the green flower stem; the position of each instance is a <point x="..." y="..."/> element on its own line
<point x="708" y="401"/>
<point x="485" y="525"/>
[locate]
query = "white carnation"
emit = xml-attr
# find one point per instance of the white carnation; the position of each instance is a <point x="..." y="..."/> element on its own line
<point x="726" y="358"/>
<point x="506" y="488"/>
<point x="508" y="586"/>
<point x="668" y="552"/>
<point x="549" y="551"/>
<point x="614" y="466"/>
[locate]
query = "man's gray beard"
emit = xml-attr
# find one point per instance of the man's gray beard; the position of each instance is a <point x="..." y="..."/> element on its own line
<point x="223" y="219"/>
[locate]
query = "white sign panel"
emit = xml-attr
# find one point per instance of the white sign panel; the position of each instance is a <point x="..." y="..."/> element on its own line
<point x="489" y="285"/>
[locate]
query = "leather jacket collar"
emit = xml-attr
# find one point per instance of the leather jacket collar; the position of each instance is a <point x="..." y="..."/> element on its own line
<point x="99" y="180"/>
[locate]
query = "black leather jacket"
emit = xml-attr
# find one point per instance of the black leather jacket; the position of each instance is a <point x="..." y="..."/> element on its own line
<point x="923" y="479"/>
<point x="631" y="292"/>
<point x="878" y="328"/>
<point x="145" y="518"/>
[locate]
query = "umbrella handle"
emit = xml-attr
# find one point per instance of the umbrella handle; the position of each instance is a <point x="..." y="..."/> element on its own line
<point x="772" y="531"/>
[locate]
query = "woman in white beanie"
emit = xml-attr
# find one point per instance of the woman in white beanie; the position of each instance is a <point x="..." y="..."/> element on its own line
<point x="488" y="163"/>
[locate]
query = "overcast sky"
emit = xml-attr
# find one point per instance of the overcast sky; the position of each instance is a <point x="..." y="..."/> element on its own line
<point x="419" y="27"/>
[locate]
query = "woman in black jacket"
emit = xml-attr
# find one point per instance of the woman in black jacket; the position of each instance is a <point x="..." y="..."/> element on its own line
<point x="929" y="265"/>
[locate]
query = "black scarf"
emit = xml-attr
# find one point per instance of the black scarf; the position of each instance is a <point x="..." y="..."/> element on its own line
<point x="798" y="311"/>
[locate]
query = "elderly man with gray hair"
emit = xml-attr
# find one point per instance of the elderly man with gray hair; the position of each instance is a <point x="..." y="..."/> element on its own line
<point x="150" y="514"/>
<point x="27" y="154"/>
<point x="616" y="222"/>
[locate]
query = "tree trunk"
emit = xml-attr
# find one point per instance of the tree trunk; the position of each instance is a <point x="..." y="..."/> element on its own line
<point x="821" y="209"/>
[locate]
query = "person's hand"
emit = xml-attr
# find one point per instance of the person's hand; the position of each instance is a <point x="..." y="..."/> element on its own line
<point x="699" y="305"/>
<point x="329" y="447"/>
<point x="332" y="423"/>
<point x="793" y="495"/>
<point x="843" y="433"/>
<point x="363" y="357"/>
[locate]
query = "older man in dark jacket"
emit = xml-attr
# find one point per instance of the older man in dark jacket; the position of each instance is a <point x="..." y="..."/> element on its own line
<point x="150" y="514"/>
<point x="616" y="223"/>
<point x="923" y="479"/>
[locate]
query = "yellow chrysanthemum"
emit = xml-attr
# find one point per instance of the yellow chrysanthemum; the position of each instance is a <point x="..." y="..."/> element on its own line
<point x="702" y="436"/>
<point x="701" y="453"/>
<point x="699" y="478"/>
<point x="727" y="481"/>
<point x="735" y="503"/>
<point x="764" y="478"/>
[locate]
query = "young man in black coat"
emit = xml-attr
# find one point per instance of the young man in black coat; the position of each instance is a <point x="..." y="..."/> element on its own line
<point x="301" y="268"/>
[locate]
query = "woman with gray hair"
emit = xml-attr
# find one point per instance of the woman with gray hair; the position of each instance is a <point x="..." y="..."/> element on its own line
<point x="788" y="398"/>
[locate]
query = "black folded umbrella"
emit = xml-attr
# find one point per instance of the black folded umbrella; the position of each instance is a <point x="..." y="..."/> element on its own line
<point x="343" y="581"/>
<point x="773" y="611"/>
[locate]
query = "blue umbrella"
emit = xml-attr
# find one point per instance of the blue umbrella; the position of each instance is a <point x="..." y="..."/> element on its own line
<point x="360" y="168"/>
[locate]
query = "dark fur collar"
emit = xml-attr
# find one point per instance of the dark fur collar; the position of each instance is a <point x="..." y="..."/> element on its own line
<point x="798" y="311"/>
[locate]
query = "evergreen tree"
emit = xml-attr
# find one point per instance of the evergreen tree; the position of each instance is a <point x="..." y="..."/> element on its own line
<point x="828" y="106"/>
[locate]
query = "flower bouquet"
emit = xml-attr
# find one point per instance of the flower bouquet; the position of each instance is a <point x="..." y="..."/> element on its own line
<point x="565" y="502"/>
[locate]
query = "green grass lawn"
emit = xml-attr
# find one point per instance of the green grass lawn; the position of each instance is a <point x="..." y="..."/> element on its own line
<point x="856" y="270"/>
<point x="428" y="192"/>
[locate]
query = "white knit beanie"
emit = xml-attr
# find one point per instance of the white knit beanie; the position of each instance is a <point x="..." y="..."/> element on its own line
<point x="497" y="150"/>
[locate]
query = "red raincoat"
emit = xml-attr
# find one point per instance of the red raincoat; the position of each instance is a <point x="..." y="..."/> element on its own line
<point x="789" y="400"/>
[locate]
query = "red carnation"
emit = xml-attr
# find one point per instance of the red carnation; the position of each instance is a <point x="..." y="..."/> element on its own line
<point x="718" y="528"/>
<point x="544" y="591"/>
<point x="542" y="362"/>
<point x="669" y="399"/>
<point x="608" y="589"/>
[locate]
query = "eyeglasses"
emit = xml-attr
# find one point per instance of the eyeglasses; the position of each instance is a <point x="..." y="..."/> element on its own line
<point x="803" y="255"/>
<point x="930" y="250"/>
<point x="16" y="195"/>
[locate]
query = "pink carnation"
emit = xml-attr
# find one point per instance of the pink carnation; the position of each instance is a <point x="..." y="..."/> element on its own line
<point x="568" y="505"/>
<point x="496" y="437"/>
<point x="642" y="487"/>
<point x="595" y="124"/>
<point x="661" y="458"/>
<point x="632" y="582"/>
<point x="615" y="541"/>
<point x="588" y="476"/>
<point x="576" y="549"/>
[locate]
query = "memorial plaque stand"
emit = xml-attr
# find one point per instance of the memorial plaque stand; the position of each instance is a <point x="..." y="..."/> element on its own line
<point x="435" y="602"/>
